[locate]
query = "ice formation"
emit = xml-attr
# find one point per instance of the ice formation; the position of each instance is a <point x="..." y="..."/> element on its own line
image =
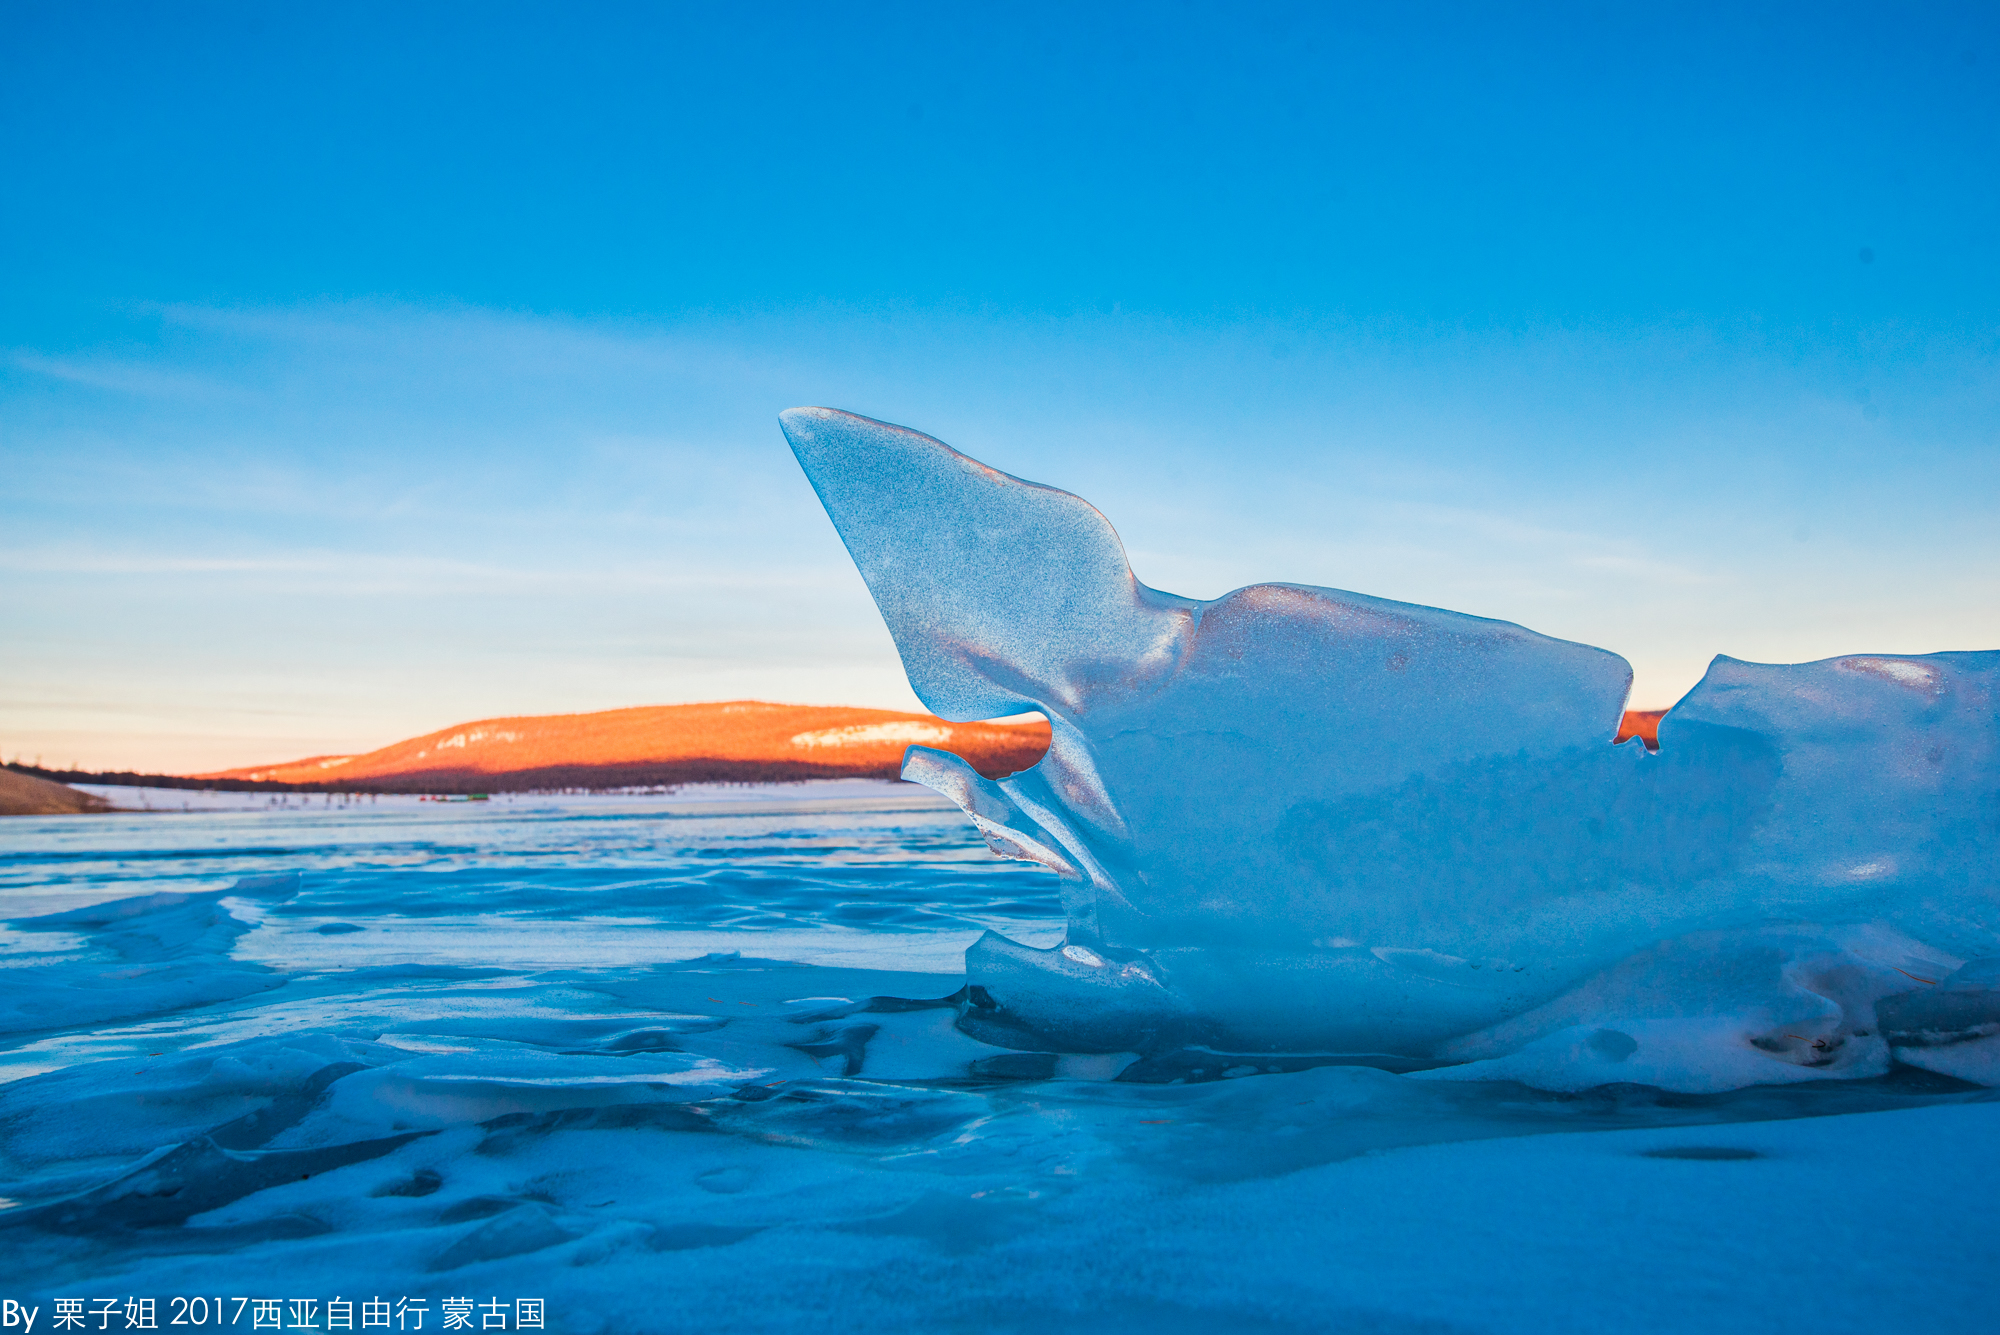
<point x="1304" y="821"/>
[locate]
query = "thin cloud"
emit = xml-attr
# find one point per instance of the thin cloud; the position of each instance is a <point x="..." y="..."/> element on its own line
<point x="123" y="376"/>
<point x="376" y="573"/>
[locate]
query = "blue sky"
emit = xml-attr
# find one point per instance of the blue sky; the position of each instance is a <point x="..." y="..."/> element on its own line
<point x="366" y="369"/>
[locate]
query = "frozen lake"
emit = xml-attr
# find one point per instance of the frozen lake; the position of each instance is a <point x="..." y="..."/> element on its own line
<point x="666" y="1063"/>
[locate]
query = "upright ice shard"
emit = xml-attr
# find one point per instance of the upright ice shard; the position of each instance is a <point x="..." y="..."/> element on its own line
<point x="1302" y="820"/>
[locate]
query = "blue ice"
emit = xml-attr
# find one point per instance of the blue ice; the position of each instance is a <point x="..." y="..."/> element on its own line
<point x="1297" y="820"/>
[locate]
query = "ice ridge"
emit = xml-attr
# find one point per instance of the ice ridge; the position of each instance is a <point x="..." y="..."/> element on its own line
<point x="145" y="955"/>
<point x="1296" y="819"/>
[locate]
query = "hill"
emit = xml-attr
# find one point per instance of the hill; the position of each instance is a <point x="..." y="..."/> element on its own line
<point x="738" y="741"/>
<point x="26" y="795"/>
<point x="1643" y="724"/>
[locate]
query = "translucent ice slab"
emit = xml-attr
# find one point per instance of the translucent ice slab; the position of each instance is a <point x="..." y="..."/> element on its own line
<point x="1300" y="820"/>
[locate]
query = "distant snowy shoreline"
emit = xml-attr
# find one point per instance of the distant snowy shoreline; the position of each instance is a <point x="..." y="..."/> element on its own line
<point x="845" y="792"/>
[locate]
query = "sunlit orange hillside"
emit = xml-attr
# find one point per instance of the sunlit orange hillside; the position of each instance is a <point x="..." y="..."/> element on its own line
<point x="1643" y="724"/>
<point x="741" y="741"/>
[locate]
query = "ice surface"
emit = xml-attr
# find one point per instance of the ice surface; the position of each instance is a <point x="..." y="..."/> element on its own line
<point x="1299" y="820"/>
<point x="605" y="1053"/>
